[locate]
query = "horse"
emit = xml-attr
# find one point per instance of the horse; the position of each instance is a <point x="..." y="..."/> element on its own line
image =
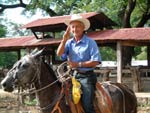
<point x="52" y="94"/>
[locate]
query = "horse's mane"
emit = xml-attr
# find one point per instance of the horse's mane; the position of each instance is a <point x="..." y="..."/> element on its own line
<point x="51" y="71"/>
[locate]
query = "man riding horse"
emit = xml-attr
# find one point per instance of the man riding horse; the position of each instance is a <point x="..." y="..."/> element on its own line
<point x="83" y="55"/>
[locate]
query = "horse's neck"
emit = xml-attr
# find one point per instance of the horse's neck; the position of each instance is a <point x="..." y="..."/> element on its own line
<point x="48" y="95"/>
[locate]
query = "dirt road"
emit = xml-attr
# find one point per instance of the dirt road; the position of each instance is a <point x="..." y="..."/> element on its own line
<point x="9" y="104"/>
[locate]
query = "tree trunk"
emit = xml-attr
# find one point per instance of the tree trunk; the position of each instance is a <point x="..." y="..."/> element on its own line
<point x="127" y="53"/>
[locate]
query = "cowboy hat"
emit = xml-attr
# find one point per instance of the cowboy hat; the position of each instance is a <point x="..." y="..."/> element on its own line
<point x="78" y="17"/>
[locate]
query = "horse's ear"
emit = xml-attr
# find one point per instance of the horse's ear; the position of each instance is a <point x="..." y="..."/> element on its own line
<point x="34" y="51"/>
<point x="38" y="53"/>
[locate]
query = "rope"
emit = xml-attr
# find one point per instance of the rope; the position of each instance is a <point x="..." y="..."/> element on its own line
<point x="59" y="77"/>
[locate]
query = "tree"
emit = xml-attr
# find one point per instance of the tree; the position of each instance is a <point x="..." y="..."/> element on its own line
<point x="134" y="9"/>
<point x="10" y="57"/>
<point x="131" y="13"/>
<point x="126" y="13"/>
<point x="14" y="31"/>
<point x="7" y="59"/>
<point x="2" y="31"/>
<point x="107" y="54"/>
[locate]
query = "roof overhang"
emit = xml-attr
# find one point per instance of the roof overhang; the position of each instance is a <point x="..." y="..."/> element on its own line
<point x="127" y="36"/>
<point x="56" y="23"/>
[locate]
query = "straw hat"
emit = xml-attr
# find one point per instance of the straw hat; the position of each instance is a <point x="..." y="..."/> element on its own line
<point x="78" y="17"/>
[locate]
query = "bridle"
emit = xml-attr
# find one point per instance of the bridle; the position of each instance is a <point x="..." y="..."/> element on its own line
<point x="59" y="77"/>
<point x="36" y="78"/>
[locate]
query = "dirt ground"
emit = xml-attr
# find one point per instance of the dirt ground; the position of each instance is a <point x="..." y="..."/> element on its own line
<point x="9" y="104"/>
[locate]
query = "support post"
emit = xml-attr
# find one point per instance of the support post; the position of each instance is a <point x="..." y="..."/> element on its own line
<point x="148" y="56"/>
<point x="119" y="62"/>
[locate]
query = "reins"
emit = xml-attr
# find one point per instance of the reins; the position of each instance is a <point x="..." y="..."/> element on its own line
<point x="36" y="77"/>
<point x="32" y="91"/>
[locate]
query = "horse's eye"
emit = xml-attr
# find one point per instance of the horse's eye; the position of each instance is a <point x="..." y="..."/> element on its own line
<point x="25" y="65"/>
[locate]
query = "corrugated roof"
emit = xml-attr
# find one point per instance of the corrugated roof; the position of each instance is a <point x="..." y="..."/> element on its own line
<point x="132" y="35"/>
<point x="25" y="41"/>
<point x="56" y="23"/>
<point x="125" y="34"/>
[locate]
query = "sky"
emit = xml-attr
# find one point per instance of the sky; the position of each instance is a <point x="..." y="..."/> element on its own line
<point x="15" y="16"/>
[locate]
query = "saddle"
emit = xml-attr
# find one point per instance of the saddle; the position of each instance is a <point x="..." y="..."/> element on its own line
<point x="102" y="101"/>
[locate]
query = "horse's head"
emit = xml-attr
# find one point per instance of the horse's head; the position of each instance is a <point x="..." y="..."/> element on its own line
<point x="23" y="71"/>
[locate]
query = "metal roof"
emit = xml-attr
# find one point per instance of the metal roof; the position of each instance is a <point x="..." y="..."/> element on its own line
<point x="124" y="34"/>
<point x="56" y="23"/>
<point x="128" y="36"/>
<point x="131" y="36"/>
<point x="25" y="42"/>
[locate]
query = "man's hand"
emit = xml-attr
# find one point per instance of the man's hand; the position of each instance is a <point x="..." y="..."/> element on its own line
<point x="61" y="47"/>
<point x="66" y="35"/>
<point x="73" y="64"/>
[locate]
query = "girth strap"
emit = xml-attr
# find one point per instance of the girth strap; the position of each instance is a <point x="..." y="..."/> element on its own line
<point x="57" y="107"/>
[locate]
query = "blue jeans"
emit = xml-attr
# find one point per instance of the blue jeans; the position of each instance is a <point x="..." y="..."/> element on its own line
<point x="88" y="90"/>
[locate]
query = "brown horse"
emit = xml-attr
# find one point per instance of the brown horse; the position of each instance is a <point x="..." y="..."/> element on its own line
<point x="52" y="94"/>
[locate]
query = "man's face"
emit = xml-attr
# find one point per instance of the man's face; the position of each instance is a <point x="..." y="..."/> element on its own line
<point x="77" y="28"/>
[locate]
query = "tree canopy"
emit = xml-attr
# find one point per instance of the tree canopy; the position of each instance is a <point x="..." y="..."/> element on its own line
<point x="2" y="31"/>
<point x="126" y="13"/>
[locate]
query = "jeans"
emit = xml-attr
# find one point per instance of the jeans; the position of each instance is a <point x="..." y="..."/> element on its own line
<point x="88" y="89"/>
